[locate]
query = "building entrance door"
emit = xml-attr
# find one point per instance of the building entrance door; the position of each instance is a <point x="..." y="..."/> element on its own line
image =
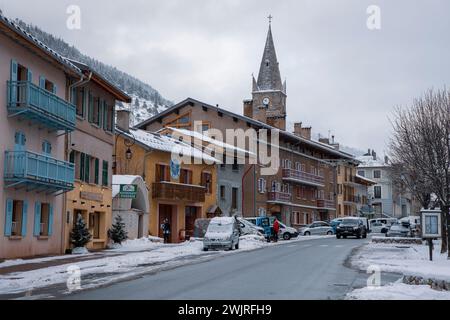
<point x="190" y="214"/>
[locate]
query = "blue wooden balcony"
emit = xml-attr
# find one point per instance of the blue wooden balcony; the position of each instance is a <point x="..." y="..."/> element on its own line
<point x="29" y="101"/>
<point x="37" y="172"/>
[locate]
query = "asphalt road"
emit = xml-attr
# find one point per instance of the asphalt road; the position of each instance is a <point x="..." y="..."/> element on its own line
<point x="299" y="270"/>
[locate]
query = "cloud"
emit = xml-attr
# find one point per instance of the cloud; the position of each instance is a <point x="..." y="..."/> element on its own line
<point x="341" y="76"/>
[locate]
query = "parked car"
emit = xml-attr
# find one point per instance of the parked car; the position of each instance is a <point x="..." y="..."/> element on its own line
<point x="351" y="227"/>
<point x="317" y="228"/>
<point x="222" y="233"/>
<point x="249" y="228"/>
<point x="400" y="230"/>
<point x="267" y="222"/>
<point x="378" y="227"/>
<point x="287" y="232"/>
<point x="334" y="223"/>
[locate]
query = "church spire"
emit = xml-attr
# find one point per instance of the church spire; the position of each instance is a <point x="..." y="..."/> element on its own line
<point x="269" y="77"/>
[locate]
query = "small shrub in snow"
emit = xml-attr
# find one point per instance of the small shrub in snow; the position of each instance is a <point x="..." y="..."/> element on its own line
<point x="118" y="232"/>
<point x="80" y="235"/>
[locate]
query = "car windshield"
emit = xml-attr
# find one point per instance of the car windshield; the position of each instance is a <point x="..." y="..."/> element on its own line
<point x="220" y="228"/>
<point x="350" y="221"/>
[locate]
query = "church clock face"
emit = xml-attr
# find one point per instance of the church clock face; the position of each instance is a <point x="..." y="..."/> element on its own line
<point x="266" y="101"/>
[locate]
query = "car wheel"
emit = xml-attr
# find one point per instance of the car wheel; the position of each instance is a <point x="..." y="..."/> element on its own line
<point x="286" y="236"/>
<point x="365" y="235"/>
<point x="237" y="246"/>
<point x="307" y="233"/>
<point x="205" y="249"/>
<point x="338" y="236"/>
<point x="358" y="235"/>
<point x="345" y="237"/>
<point x="329" y="233"/>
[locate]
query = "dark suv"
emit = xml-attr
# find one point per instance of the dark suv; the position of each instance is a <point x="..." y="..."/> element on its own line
<point x="351" y="227"/>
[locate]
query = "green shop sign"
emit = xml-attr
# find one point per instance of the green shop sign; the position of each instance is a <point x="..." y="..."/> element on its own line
<point x="128" y="191"/>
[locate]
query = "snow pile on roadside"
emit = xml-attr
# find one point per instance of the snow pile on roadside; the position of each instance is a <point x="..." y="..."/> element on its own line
<point x="252" y="241"/>
<point x="398" y="291"/>
<point x="139" y="244"/>
<point x="80" y="250"/>
<point x="411" y="260"/>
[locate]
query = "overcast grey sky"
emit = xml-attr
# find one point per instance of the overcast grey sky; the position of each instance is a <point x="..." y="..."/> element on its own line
<point x="341" y="76"/>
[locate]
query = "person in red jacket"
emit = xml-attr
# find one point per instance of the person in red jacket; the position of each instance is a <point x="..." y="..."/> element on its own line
<point x="275" y="229"/>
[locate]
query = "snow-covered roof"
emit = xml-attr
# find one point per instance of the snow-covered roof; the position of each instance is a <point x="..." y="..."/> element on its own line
<point x="369" y="162"/>
<point x="55" y="55"/>
<point x="189" y="101"/>
<point x="222" y="220"/>
<point x="206" y="138"/>
<point x="365" y="179"/>
<point x="166" y="144"/>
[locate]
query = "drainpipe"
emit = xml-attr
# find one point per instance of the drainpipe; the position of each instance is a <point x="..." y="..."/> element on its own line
<point x="81" y="82"/>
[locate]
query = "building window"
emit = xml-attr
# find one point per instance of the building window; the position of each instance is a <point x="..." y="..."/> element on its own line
<point x="234" y="197"/>
<point x="47" y="147"/>
<point x="261" y="185"/>
<point x="224" y="160"/>
<point x="162" y="173"/>
<point x="296" y="215"/>
<point x="377" y="174"/>
<point x="84" y="173"/>
<point x="222" y="192"/>
<point x="182" y="121"/>
<point x="377" y="192"/>
<point x="105" y="174"/>
<point x="78" y="100"/>
<point x="206" y="181"/>
<point x="185" y="176"/>
<point x="45" y="219"/>
<point x="262" y="212"/>
<point x="108" y="117"/>
<point x="362" y="173"/>
<point x="15" y="213"/>
<point x="235" y="166"/>
<point x="96" y="115"/>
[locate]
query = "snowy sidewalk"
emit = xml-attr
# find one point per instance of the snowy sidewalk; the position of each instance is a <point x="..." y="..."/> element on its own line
<point x="409" y="260"/>
<point x="134" y="258"/>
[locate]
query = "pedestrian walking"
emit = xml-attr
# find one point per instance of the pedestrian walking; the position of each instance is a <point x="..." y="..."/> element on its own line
<point x="166" y="230"/>
<point x="275" y="229"/>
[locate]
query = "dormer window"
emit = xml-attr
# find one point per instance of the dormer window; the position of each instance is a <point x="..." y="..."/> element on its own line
<point x="267" y="63"/>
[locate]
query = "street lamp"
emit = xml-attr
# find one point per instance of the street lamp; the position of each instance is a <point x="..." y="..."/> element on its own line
<point x="128" y="153"/>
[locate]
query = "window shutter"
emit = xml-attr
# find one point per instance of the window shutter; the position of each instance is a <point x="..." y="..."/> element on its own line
<point x="96" y="169"/>
<point x="29" y="75"/>
<point x="8" y="216"/>
<point x="42" y="82"/>
<point x="72" y="157"/>
<point x="82" y="159"/>
<point x="87" y="165"/>
<point x="24" y="218"/>
<point x="105" y="173"/>
<point x="13" y="77"/>
<point x="50" y="220"/>
<point x="91" y="108"/>
<point x="100" y="113"/>
<point x="37" y="219"/>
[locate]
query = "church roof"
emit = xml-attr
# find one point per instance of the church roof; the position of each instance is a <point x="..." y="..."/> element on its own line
<point x="269" y="77"/>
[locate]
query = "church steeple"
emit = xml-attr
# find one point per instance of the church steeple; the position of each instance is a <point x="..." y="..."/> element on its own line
<point x="268" y="103"/>
<point x="269" y="77"/>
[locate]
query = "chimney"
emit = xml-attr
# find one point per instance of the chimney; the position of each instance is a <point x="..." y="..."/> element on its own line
<point x="123" y="120"/>
<point x="302" y="131"/>
<point x="386" y="159"/>
<point x="374" y="155"/>
<point x="298" y="129"/>
<point x="324" y="140"/>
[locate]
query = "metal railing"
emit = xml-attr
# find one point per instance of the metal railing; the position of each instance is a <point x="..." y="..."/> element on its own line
<point x="303" y="177"/>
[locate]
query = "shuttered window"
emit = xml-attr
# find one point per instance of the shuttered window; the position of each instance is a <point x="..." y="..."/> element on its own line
<point x="96" y="170"/>
<point x="105" y="174"/>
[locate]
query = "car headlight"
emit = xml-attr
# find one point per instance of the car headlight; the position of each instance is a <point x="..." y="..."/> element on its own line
<point x="355" y="228"/>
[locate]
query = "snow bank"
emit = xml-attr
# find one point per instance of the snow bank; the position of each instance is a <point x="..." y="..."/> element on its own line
<point x="80" y="250"/>
<point x="410" y="260"/>
<point x="398" y="291"/>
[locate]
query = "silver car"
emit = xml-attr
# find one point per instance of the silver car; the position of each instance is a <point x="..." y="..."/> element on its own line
<point x="399" y="230"/>
<point x="317" y="228"/>
<point x="222" y="233"/>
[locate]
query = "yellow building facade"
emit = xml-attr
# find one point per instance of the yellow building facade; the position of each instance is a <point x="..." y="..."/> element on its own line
<point x="182" y="199"/>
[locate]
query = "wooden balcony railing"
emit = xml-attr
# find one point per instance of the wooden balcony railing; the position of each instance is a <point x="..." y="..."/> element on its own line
<point x="279" y="197"/>
<point x="321" y="203"/>
<point x="177" y="191"/>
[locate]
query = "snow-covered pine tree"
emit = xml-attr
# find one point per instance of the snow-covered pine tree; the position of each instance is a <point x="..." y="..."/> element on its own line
<point x="118" y="232"/>
<point x="80" y="235"/>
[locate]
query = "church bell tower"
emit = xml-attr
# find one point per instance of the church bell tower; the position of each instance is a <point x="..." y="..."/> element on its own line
<point x="268" y="102"/>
